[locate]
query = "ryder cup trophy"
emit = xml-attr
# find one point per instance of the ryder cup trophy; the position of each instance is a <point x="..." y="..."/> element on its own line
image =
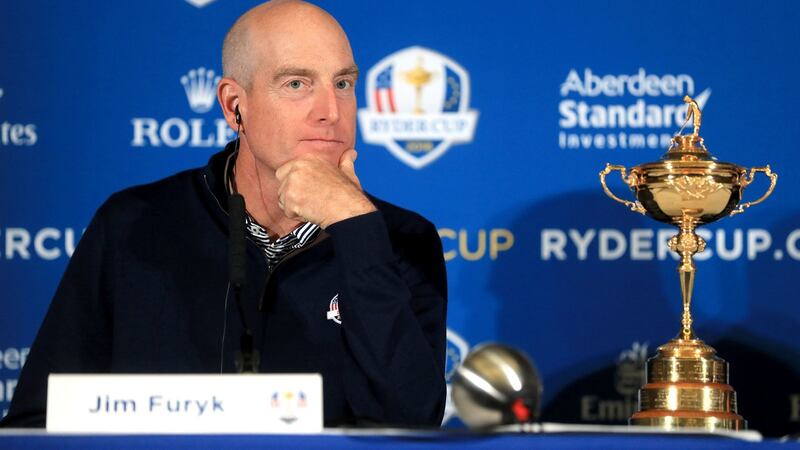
<point x="686" y="382"/>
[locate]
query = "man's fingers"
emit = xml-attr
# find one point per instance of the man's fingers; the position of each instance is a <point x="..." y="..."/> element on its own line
<point x="347" y="165"/>
<point x="347" y="160"/>
<point x="301" y="162"/>
<point x="314" y="190"/>
<point x="280" y="174"/>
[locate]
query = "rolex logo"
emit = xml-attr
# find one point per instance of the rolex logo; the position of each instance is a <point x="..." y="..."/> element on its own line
<point x="200" y="85"/>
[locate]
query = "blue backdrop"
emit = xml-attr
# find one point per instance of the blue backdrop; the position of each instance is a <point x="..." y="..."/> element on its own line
<point x="524" y="104"/>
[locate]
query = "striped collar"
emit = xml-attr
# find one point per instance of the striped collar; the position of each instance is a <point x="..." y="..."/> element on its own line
<point x="274" y="249"/>
<point x="277" y="249"/>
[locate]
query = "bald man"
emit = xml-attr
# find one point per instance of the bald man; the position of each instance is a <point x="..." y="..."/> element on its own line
<point x="338" y="282"/>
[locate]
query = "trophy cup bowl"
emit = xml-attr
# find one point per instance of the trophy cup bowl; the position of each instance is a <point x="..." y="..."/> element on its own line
<point x="686" y="382"/>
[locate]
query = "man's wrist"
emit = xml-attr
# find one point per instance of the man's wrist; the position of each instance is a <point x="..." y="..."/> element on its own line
<point x="358" y="208"/>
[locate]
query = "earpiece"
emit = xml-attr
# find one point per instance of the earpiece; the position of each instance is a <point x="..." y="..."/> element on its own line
<point x="238" y="127"/>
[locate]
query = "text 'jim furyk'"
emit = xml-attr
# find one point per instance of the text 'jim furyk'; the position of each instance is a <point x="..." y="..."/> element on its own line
<point x="105" y="404"/>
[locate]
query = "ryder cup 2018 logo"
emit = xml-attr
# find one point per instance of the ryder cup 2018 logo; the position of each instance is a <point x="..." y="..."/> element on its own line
<point x="290" y="404"/>
<point x="417" y="106"/>
<point x="456" y="351"/>
<point x="333" y="310"/>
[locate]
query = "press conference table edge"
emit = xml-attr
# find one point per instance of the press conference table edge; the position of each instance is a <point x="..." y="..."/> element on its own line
<point x="507" y="438"/>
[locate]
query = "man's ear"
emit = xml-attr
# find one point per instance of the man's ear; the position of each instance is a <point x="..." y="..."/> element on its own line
<point x="231" y="96"/>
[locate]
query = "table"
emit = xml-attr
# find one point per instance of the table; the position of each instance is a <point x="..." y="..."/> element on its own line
<point x="389" y="439"/>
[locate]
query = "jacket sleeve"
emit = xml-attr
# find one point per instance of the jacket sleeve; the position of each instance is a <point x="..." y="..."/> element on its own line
<point x="75" y="335"/>
<point x="393" y="303"/>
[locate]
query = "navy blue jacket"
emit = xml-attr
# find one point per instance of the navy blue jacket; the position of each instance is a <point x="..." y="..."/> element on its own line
<point x="145" y="292"/>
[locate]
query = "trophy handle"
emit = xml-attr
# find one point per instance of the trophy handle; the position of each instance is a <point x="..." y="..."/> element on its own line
<point x="747" y="179"/>
<point x="634" y="206"/>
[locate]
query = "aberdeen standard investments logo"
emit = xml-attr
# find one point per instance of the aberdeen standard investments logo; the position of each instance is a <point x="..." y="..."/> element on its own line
<point x="417" y="106"/>
<point x="200" y="86"/>
<point x="623" y="111"/>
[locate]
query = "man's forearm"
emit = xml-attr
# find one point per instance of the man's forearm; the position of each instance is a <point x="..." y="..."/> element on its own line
<point x="393" y="318"/>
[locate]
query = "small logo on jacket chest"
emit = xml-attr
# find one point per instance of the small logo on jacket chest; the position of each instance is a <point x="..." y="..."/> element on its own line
<point x="333" y="310"/>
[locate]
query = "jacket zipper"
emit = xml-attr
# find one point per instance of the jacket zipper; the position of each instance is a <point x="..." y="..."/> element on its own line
<point x="319" y="238"/>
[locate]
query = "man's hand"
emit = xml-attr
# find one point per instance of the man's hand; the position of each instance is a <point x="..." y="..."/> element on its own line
<point x="313" y="190"/>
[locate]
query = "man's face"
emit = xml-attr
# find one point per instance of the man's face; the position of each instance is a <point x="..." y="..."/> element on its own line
<point x="302" y="94"/>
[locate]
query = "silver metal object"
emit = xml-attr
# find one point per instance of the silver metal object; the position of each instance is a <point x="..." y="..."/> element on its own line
<point x="496" y="385"/>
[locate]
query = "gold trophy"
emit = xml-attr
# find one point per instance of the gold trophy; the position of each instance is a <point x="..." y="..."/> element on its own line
<point x="686" y="382"/>
<point x="418" y="77"/>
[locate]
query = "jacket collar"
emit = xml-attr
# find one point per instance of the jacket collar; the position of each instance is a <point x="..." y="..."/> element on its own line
<point x="215" y="174"/>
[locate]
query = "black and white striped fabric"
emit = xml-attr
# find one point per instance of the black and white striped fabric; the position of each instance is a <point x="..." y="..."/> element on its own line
<point x="276" y="249"/>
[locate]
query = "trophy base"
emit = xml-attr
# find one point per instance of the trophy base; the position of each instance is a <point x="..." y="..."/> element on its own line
<point x="674" y="420"/>
<point x="687" y="388"/>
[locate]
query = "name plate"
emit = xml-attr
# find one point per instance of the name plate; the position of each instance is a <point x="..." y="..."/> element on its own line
<point x="195" y="404"/>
